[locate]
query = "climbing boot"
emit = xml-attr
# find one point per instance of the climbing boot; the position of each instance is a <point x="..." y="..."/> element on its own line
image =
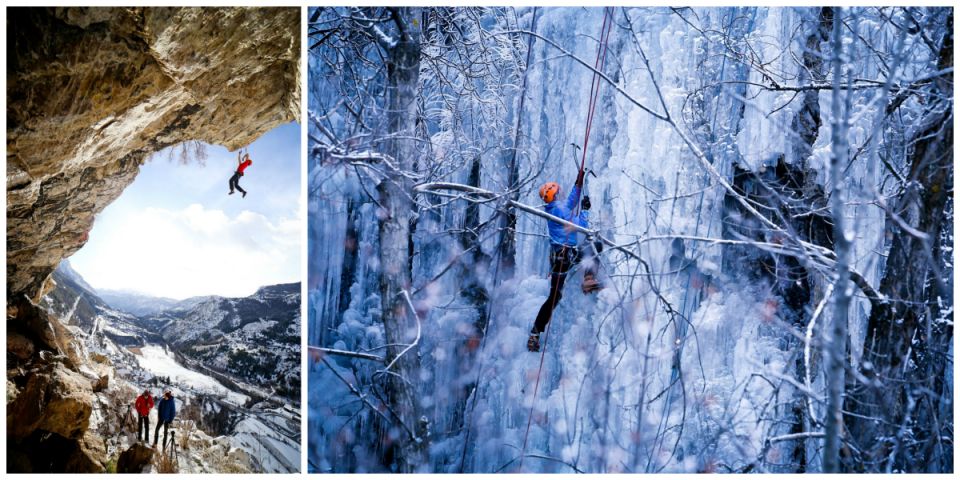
<point x="533" y="343"/>
<point x="244" y="195"/>
<point x="590" y="283"/>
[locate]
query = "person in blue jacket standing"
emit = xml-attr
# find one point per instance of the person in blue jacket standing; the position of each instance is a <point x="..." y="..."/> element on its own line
<point x="565" y="251"/>
<point x="166" y="410"/>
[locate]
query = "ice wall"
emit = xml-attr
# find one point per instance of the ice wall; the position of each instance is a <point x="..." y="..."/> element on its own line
<point x="626" y="384"/>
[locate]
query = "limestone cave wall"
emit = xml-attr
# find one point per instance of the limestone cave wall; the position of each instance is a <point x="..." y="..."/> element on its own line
<point x="91" y="94"/>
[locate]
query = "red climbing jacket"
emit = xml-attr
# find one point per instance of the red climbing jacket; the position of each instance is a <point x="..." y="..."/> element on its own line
<point x="246" y="163"/>
<point x="144" y="404"/>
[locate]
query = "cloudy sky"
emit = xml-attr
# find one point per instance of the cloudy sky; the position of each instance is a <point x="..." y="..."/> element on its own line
<point x="176" y="233"/>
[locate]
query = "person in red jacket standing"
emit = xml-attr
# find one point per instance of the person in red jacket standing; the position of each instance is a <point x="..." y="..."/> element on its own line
<point x="242" y="164"/>
<point x="143" y="405"/>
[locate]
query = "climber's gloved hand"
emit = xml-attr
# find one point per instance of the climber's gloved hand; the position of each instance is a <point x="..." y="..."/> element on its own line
<point x="580" y="179"/>
<point x="585" y="203"/>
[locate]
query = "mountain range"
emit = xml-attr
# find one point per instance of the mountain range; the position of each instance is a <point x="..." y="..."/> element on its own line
<point x="254" y="340"/>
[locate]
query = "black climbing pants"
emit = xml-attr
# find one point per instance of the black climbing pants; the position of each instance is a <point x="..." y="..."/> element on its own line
<point x="562" y="259"/>
<point x="143" y="428"/>
<point x="235" y="182"/>
<point x="156" y="433"/>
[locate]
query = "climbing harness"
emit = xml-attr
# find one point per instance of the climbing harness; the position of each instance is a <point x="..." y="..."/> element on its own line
<point x="591" y="108"/>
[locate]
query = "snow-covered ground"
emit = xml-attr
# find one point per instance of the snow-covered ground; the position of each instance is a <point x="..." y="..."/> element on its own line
<point x="269" y="439"/>
<point x="156" y="360"/>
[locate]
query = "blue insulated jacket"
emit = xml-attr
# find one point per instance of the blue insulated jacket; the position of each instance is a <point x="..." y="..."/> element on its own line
<point x="560" y="234"/>
<point x="166" y="409"/>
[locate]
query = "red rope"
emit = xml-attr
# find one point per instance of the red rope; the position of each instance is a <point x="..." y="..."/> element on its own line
<point x="594" y="93"/>
<point x="595" y="83"/>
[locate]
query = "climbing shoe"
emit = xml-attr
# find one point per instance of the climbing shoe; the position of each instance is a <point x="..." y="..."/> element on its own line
<point x="244" y="195"/>
<point x="533" y="343"/>
<point x="590" y="283"/>
<point x="231" y="192"/>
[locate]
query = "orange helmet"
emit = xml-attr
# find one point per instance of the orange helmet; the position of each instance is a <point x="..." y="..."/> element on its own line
<point x="549" y="191"/>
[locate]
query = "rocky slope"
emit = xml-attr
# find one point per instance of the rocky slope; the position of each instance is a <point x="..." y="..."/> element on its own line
<point x="91" y="93"/>
<point x="251" y="406"/>
<point x="253" y="340"/>
<point x="73" y="301"/>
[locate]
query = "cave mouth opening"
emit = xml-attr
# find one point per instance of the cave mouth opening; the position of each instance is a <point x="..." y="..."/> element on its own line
<point x="172" y="234"/>
<point x="176" y="233"/>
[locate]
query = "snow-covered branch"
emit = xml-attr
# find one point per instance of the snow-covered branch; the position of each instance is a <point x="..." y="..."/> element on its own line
<point x="320" y="351"/>
<point x="488" y="195"/>
<point x="385" y="41"/>
<point x="416" y="341"/>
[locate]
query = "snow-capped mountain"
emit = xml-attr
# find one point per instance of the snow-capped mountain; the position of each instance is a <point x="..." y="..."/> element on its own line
<point x="73" y="299"/>
<point x="78" y="304"/>
<point x="254" y="339"/>
<point x="136" y="303"/>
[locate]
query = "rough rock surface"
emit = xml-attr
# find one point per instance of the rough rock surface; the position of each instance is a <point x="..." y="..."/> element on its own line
<point x="54" y="399"/>
<point x="19" y="346"/>
<point x="133" y="459"/>
<point x="91" y="93"/>
<point x="102" y="383"/>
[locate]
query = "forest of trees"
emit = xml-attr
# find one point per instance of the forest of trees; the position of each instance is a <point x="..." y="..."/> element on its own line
<point x="773" y="190"/>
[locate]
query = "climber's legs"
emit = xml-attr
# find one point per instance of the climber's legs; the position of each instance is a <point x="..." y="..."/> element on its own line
<point x="143" y="428"/>
<point x="156" y="433"/>
<point x="562" y="258"/>
<point x="234" y="182"/>
<point x="589" y="254"/>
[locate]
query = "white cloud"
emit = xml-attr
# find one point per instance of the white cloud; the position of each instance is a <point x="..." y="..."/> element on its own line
<point x="191" y="251"/>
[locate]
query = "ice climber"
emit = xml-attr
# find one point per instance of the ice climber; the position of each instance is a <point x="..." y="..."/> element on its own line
<point x="564" y="251"/>
<point x="166" y="410"/>
<point x="242" y="164"/>
<point x="143" y="404"/>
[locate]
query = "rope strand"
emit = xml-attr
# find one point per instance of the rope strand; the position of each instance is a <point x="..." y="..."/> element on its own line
<point x="594" y="93"/>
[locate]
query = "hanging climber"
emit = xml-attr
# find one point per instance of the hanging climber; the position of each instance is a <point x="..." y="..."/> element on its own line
<point x="143" y="405"/>
<point x="242" y="164"/>
<point x="564" y="251"/>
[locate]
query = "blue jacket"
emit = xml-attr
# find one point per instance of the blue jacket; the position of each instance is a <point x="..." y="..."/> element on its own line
<point x="561" y="234"/>
<point x="167" y="409"/>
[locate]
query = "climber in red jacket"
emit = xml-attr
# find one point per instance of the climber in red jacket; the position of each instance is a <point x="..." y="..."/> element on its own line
<point x="242" y="164"/>
<point x="143" y="405"/>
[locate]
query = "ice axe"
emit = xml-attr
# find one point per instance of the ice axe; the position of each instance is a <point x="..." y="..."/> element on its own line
<point x="576" y="148"/>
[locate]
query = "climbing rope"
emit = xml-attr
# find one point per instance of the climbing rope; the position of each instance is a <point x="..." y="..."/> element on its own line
<point x="594" y="94"/>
